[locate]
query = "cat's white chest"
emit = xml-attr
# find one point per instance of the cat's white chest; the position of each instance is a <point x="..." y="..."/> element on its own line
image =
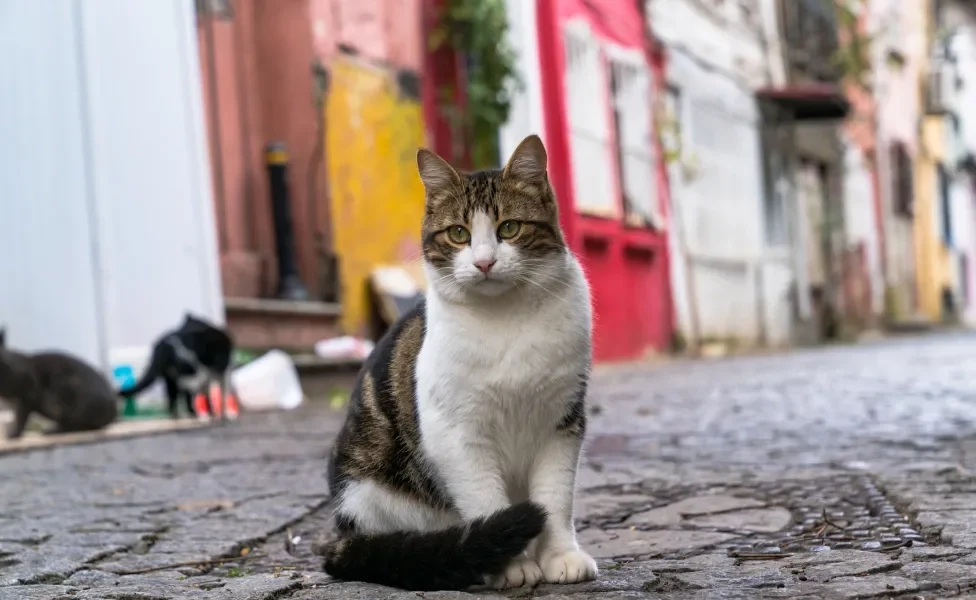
<point x="504" y="368"/>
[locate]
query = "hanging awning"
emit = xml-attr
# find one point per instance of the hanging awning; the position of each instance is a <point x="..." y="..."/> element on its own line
<point x="808" y="101"/>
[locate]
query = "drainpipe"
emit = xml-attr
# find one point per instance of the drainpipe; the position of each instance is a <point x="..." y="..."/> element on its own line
<point x="290" y="286"/>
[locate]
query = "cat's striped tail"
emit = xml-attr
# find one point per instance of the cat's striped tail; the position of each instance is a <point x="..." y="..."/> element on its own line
<point x="451" y="559"/>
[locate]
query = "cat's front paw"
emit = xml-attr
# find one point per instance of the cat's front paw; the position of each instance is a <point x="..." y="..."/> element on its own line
<point x="569" y="567"/>
<point x="521" y="571"/>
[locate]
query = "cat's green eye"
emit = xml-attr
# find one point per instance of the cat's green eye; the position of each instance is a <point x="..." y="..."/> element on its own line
<point x="509" y="229"/>
<point x="458" y="234"/>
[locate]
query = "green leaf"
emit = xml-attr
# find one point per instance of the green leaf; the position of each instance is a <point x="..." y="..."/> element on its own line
<point x="478" y="30"/>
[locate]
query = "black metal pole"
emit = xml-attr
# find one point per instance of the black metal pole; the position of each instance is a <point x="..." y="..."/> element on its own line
<point x="290" y="286"/>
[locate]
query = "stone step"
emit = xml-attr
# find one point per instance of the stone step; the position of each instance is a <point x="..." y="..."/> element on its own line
<point x="912" y="324"/>
<point x="291" y="326"/>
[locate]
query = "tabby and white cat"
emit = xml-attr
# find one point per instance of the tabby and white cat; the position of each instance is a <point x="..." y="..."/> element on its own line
<point x="457" y="462"/>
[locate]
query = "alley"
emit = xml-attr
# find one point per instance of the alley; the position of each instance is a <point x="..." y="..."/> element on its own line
<point x="842" y="472"/>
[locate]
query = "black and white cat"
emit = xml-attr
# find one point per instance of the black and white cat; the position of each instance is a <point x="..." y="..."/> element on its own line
<point x="189" y="359"/>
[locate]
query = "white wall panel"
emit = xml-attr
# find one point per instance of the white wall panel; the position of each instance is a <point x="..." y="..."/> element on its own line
<point x="106" y="217"/>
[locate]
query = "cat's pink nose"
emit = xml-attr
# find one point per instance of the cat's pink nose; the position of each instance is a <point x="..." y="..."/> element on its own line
<point x="484" y="265"/>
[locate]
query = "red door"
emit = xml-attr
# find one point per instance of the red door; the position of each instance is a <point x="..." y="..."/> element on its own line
<point x="596" y="89"/>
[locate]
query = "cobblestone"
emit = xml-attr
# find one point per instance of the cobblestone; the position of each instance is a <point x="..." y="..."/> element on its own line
<point x="843" y="472"/>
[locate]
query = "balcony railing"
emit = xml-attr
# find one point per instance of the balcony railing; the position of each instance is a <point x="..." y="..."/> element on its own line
<point x="810" y="36"/>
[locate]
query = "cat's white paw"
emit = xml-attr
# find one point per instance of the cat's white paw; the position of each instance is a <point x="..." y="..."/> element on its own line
<point x="569" y="567"/>
<point x="521" y="571"/>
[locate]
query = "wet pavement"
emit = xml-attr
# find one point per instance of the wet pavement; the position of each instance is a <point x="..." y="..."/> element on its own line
<point x="843" y="472"/>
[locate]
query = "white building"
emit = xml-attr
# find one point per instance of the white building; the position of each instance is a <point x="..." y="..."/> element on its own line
<point x="106" y="219"/>
<point x="956" y="77"/>
<point x="732" y="264"/>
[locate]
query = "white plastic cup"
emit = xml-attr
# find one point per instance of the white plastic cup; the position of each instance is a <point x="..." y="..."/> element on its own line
<point x="269" y="382"/>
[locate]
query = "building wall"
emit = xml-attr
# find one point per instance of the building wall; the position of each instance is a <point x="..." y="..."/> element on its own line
<point x="715" y="59"/>
<point x="259" y="88"/>
<point x="374" y="52"/>
<point x="862" y="236"/>
<point x="380" y="31"/>
<point x="930" y="253"/>
<point x="962" y="194"/>
<point x="106" y="220"/>
<point x="863" y="212"/>
<point x="627" y="265"/>
<point x="377" y="196"/>
<point x="899" y="26"/>
<point x="525" y="116"/>
<point x="964" y="186"/>
<point x="936" y="259"/>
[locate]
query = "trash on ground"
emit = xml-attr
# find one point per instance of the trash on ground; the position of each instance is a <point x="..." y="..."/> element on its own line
<point x="269" y="382"/>
<point x="346" y="346"/>
<point x="396" y="289"/>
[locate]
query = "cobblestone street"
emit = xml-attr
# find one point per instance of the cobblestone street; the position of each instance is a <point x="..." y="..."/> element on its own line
<point x="844" y="472"/>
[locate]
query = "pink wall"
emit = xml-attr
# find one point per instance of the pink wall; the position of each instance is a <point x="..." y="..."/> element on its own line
<point x="386" y="31"/>
<point x="258" y="87"/>
<point x="898" y="88"/>
<point x="862" y="130"/>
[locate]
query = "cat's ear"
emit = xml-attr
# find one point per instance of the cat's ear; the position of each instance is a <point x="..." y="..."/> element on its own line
<point x="528" y="162"/>
<point x="438" y="176"/>
<point x="3" y="337"/>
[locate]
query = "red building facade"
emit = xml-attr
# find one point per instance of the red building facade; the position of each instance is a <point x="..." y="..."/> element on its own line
<point x="599" y="77"/>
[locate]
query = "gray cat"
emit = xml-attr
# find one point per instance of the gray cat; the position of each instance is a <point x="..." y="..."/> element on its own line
<point x="54" y="385"/>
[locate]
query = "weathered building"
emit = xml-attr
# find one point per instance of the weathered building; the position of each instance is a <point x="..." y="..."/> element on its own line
<point x="732" y="269"/>
<point x="961" y="144"/>
<point x="106" y="217"/>
<point x="351" y="88"/>
<point x="898" y="55"/>
<point x="592" y="76"/>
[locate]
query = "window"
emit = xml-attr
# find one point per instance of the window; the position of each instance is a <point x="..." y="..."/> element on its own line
<point x="775" y="144"/>
<point x="630" y="93"/>
<point x="946" y="205"/>
<point x="903" y="195"/>
<point x="672" y="128"/>
<point x="589" y="123"/>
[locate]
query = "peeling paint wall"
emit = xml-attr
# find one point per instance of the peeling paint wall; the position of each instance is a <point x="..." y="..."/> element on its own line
<point x="931" y="255"/>
<point x="377" y="197"/>
<point x="899" y="26"/>
<point x="384" y="31"/>
<point x="374" y="52"/>
<point x="741" y="282"/>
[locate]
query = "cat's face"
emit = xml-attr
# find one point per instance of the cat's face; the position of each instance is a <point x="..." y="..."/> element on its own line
<point x="487" y="233"/>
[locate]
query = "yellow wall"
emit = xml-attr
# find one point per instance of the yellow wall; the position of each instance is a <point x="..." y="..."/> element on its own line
<point x="932" y="258"/>
<point x="372" y="136"/>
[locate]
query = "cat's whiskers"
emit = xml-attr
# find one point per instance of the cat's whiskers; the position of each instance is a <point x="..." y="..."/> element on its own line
<point x="548" y="291"/>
